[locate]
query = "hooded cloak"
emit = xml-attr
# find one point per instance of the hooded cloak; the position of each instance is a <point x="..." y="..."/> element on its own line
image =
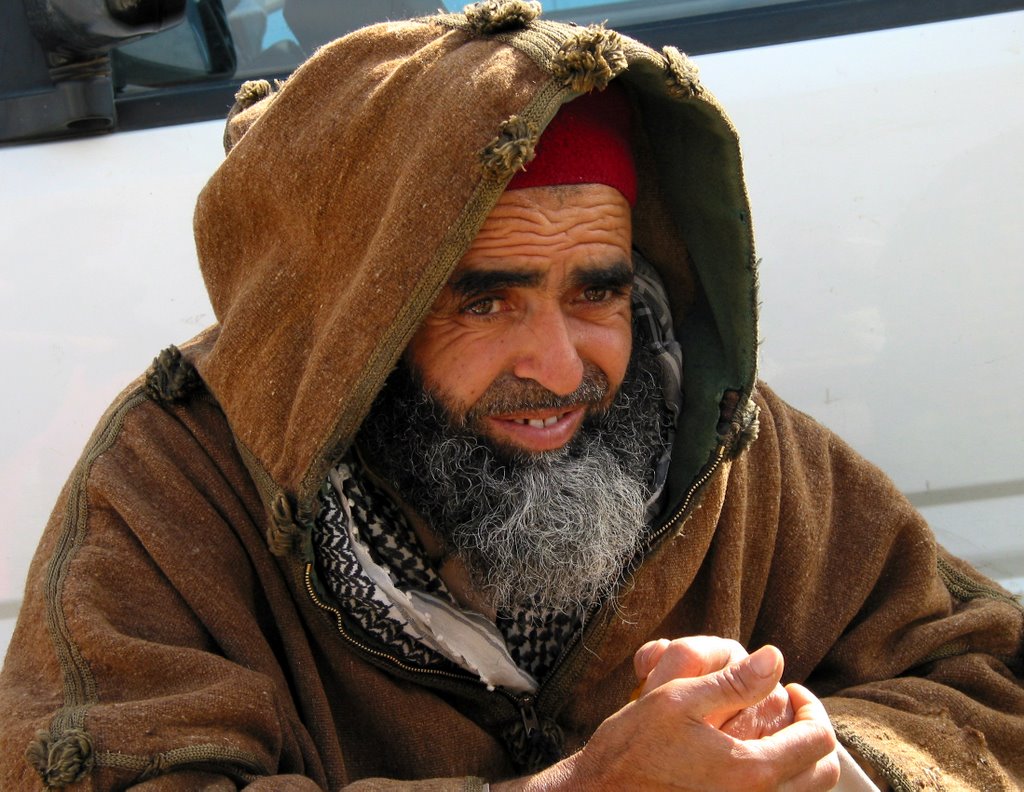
<point x="174" y="632"/>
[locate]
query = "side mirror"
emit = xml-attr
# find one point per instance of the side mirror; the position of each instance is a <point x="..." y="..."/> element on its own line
<point x="73" y="29"/>
<point x="61" y="83"/>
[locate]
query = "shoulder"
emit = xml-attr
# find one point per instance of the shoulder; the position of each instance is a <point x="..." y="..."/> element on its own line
<point x="161" y="467"/>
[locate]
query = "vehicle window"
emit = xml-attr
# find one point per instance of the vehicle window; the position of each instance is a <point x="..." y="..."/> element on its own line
<point x="261" y="37"/>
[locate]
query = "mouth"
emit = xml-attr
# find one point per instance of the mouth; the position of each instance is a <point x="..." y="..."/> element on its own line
<point x="537" y="430"/>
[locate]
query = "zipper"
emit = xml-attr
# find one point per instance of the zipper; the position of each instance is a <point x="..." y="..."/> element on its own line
<point x="684" y="507"/>
<point x="531" y="723"/>
<point x="340" y="622"/>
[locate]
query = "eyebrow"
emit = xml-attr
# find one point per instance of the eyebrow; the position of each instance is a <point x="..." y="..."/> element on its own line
<point x="612" y="276"/>
<point x="473" y="282"/>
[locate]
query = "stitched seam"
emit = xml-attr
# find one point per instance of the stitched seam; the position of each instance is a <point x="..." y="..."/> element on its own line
<point x="207" y="756"/>
<point x="965" y="588"/>
<point x="954" y="649"/>
<point x="898" y="780"/>
<point x="539" y="41"/>
<point x="79" y="684"/>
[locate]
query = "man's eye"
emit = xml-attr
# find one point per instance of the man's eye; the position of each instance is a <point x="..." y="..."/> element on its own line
<point x="597" y="294"/>
<point x="483" y="307"/>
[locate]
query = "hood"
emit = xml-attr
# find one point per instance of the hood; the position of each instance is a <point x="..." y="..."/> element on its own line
<point x="349" y="195"/>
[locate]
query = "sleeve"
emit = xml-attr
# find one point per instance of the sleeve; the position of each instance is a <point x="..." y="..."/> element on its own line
<point x="917" y="657"/>
<point x="951" y="715"/>
<point x="144" y="653"/>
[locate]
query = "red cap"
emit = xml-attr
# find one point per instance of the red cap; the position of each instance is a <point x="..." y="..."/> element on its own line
<point x="587" y="142"/>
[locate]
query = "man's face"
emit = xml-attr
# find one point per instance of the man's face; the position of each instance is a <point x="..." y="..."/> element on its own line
<point x="538" y="307"/>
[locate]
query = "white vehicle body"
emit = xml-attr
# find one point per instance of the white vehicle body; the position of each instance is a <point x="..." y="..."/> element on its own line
<point x="886" y="173"/>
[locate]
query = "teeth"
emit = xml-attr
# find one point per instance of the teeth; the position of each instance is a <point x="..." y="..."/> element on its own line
<point x="538" y="423"/>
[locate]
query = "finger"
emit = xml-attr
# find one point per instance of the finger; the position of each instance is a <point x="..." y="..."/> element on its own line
<point x="647" y="657"/>
<point x="822" y="776"/>
<point x="806" y="741"/>
<point x="795" y="749"/>
<point x="697" y="655"/>
<point x="766" y="717"/>
<point x="718" y="696"/>
<point x="807" y="706"/>
<point x="683" y="658"/>
<point x="644" y="661"/>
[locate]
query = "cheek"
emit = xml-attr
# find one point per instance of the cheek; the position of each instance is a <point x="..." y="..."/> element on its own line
<point x="620" y="353"/>
<point x="609" y="346"/>
<point x="455" y="363"/>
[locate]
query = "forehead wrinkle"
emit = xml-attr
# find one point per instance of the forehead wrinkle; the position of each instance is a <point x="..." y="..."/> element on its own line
<point x="535" y="222"/>
<point x="529" y="242"/>
<point x="554" y="229"/>
<point x="529" y="230"/>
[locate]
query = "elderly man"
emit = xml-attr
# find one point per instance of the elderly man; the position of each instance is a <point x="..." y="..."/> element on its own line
<point x="472" y="483"/>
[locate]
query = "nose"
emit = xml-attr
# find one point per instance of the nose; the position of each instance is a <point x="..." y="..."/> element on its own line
<point x="548" y="353"/>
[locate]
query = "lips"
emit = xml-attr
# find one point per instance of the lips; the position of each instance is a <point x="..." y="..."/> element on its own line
<point x="536" y="430"/>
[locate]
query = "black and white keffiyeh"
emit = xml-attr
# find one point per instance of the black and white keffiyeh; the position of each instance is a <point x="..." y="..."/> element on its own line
<point x="391" y="542"/>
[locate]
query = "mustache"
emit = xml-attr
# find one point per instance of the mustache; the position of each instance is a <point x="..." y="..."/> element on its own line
<point x="510" y="394"/>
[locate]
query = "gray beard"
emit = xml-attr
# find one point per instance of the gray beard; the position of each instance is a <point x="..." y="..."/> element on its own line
<point x="558" y="529"/>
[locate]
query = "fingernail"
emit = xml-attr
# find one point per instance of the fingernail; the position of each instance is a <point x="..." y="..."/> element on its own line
<point x="763" y="662"/>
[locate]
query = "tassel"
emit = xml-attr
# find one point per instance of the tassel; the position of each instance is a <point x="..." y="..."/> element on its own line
<point x="171" y="378"/>
<point x="682" y="75"/>
<point x="509" y="152"/>
<point x="589" y="59"/>
<point x="60" y="762"/>
<point x="496" y="16"/>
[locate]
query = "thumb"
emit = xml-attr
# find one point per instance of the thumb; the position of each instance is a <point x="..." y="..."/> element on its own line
<point x="739" y="685"/>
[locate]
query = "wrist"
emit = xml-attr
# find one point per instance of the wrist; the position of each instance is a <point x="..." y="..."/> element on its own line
<point x="560" y="777"/>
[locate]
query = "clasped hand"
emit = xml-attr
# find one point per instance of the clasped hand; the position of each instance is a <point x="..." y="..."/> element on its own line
<point x="706" y="716"/>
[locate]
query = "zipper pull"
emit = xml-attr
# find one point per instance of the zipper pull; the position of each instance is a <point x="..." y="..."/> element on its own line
<point x="531" y="723"/>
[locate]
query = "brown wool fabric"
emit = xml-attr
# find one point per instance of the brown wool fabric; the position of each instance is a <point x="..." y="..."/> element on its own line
<point x="173" y="636"/>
